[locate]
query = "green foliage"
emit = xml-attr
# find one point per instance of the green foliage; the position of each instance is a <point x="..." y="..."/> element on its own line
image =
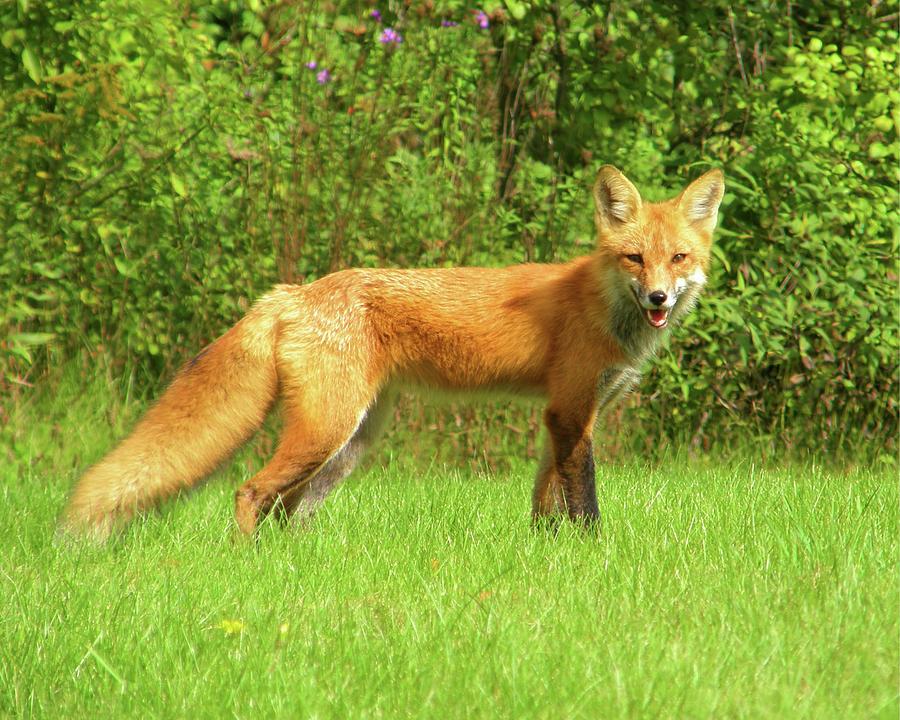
<point x="165" y="163"/>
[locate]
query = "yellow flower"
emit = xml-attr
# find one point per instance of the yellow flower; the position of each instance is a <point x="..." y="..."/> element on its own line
<point x="231" y="627"/>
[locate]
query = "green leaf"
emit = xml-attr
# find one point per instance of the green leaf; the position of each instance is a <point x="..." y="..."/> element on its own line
<point x="516" y="9"/>
<point x="125" y="268"/>
<point x="32" y="65"/>
<point x="30" y="339"/>
<point x="11" y="37"/>
<point x="178" y="185"/>
<point x="878" y="150"/>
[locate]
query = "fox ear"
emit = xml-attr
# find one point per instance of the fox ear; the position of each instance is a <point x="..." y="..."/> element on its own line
<point x="700" y="200"/>
<point x="616" y="200"/>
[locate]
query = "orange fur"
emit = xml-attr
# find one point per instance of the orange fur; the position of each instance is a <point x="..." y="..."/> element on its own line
<point x="337" y="349"/>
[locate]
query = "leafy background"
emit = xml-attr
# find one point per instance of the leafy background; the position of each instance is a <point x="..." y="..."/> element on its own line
<point x="164" y="162"/>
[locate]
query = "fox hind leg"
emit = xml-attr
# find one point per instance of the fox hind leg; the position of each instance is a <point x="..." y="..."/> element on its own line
<point x="259" y="495"/>
<point x="316" y="428"/>
<point x="303" y="502"/>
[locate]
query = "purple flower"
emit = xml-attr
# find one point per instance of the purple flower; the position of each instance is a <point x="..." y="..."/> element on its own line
<point x="312" y="64"/>
<point x="389" y="35"/>
<point x="482" y="19"/>
<point x="449" y="23"/>
<point x="323" y="77"/>
<point x="375" y="15"/>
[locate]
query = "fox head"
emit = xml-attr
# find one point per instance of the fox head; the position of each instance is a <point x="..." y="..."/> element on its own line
<point x="654" y="256"/>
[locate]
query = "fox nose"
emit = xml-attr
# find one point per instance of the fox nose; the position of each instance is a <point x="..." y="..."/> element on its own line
<point x="657" y="297"/>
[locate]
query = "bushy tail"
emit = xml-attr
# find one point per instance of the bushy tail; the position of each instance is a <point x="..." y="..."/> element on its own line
<point x="214" y="404"/>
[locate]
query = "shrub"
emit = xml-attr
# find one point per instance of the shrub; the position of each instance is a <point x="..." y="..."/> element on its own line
<point x="165" y="164"/>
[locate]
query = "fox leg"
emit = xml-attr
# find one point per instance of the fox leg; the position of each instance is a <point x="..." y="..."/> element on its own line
<point x="570" y="442"/>
<point x="305" y="500"/>
<point x="547" y="499"/>
<point x="566" y="480"/>
<point x="315" y="431"/>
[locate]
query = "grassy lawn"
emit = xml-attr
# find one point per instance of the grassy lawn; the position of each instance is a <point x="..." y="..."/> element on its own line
<point x="728" y="592"/>
<point x="714" y="591"/>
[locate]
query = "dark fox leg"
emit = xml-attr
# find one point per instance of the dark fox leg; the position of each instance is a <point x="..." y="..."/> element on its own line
<point x="568" y="470"/>
<point x="566" y="478"/>
<point x="580" y="486"/>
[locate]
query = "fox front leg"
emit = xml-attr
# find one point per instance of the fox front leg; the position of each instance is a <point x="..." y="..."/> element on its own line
<point x="567" y="481"/>
<point x="566" y="478"/>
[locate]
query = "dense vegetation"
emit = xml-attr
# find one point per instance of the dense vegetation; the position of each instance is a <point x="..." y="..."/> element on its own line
<point x="164" y="163"/>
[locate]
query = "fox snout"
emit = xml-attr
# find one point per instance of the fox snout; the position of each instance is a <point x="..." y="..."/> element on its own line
<point x="659" y="300"/>
<point x="650" y="299"/>
<point x="655" y="304"/>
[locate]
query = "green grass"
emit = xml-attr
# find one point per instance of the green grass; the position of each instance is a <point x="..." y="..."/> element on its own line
<point x="714" y="591"/>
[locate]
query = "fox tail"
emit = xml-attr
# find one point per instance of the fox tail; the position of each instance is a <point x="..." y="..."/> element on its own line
<point x="217" y="400"/>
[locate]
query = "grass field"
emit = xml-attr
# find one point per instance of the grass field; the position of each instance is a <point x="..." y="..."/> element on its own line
<point x="715" y="591"/>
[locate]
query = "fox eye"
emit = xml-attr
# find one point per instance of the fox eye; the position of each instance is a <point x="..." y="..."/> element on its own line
<point x="637" y="259"/>
<point x="678" y="257"/>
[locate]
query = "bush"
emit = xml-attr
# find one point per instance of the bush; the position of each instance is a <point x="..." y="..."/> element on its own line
<point x="166" y="163"/>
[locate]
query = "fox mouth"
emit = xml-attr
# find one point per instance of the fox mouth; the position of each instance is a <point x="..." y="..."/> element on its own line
<point x="658" y="317"/>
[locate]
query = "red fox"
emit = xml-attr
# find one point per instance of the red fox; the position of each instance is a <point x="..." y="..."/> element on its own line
<point x="336" y="350"/>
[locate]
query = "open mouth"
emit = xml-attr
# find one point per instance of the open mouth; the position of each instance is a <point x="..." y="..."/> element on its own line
<point x="658" y="318"/>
